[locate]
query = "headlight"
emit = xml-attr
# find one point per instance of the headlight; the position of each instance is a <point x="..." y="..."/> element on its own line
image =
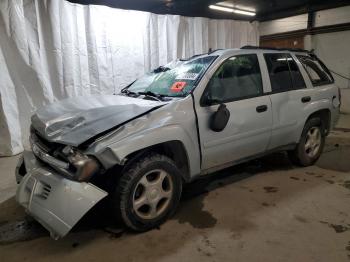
<point x="85" y="166"/>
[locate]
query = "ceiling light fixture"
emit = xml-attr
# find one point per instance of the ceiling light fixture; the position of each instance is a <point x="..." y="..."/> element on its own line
<point x="231" y="10"/>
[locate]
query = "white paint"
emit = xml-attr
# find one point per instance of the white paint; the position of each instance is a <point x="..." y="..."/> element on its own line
<point x="333" y="16"/>
<point x="283" y="25"/>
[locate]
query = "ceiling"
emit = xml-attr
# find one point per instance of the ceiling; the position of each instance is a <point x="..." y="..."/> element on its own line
<point x="265" y="9"/>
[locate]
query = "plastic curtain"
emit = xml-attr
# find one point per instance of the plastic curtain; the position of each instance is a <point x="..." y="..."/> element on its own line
<point x="50" y="50"/>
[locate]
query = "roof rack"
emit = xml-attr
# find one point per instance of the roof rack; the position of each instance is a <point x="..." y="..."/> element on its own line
<point x="210" y="51"/>
<point x="187" y="59"/>
<point x="276" y="49"/>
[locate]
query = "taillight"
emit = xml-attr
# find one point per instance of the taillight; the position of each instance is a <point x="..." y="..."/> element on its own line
<point x="339" y="96"/>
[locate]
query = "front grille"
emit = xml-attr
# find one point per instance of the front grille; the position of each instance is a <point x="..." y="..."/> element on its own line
<point x="45" y="191"/>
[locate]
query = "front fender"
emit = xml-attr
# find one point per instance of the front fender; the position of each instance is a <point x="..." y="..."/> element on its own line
<point x="117" y="152"/>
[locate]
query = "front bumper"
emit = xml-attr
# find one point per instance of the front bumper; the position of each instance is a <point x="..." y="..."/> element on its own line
<point x="54" y="201"/>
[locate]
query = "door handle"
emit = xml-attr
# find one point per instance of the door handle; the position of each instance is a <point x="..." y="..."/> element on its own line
<point x="261" y="108"/>
<point x="306" y="99"/>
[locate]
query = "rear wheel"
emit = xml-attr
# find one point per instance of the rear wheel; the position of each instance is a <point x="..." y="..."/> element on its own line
<point x="148" y="192"/>
<point x="311" y="144"/>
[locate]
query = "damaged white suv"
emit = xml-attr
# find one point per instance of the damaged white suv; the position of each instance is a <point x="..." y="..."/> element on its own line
<point x="169" y="127"/>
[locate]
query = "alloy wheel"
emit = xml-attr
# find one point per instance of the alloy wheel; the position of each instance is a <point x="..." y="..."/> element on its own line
<point x="152" y="194"/>
<point x="313" y="141"/>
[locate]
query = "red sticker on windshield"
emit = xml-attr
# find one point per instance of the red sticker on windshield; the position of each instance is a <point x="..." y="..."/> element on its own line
<point x="178" y="86"/>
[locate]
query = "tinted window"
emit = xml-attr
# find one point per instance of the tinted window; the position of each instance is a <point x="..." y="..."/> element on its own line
<point x="280" y="77"/>
<point x="317" y="72"/>
<point x="237" y="78"/>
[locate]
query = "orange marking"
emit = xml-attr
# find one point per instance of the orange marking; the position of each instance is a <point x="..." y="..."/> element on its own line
<point x="178" y="86"/>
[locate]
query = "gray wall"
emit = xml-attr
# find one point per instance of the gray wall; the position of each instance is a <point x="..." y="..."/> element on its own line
<point x="283" y="25"/>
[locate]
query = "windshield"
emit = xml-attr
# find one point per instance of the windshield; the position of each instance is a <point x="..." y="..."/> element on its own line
<point x="176" y="79"/>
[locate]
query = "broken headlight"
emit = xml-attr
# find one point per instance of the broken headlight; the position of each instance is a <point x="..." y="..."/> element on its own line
<point x="84" y="167"/>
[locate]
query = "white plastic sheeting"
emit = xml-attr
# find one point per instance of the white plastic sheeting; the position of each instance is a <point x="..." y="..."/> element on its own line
<point x="50" y="50"/>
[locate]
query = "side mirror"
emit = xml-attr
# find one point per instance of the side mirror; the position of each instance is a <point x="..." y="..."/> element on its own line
<point x="219" y="119"/>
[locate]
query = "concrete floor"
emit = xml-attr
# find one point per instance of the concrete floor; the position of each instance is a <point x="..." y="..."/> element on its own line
<point x="265" y="210"/>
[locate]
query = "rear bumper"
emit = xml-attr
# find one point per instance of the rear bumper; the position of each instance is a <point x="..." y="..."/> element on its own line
<point x="54" y="201"/>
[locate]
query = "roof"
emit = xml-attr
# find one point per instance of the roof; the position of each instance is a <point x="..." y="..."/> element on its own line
<point x="249" y="49"/>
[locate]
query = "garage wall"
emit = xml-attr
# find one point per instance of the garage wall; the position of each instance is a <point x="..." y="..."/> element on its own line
<point x="340" y="15"/>
<point x="283" y="25"/>
<point x="50" y="50"/>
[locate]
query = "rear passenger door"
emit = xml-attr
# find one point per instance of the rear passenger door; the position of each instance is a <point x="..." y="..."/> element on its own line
<point x="289" y="97"/>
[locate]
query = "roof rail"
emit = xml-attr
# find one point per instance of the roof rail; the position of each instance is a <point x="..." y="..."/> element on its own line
<point x="210" y="51"/>
<point x="187" y="59"/>
<point x="276" y="49"/>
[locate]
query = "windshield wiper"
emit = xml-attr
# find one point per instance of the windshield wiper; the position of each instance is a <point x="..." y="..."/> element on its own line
<point x="128" y="92"/>
<point x="151" y="94"/>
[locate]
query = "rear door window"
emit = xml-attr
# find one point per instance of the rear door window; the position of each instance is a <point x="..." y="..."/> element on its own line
<point x="297" y="78"/>
<point x="278" y="68"/>
<point x="318" y="73"/>
<point x="284" y="72"/>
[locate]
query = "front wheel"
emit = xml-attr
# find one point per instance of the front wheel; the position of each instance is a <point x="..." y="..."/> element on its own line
<point x="311" y="144"/>
<point x="148" y="192"/>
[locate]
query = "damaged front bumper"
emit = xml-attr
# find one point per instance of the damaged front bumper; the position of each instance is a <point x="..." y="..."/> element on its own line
<point x="54" y="201"/>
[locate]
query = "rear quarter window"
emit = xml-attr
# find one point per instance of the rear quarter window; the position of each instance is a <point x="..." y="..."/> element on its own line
<point x="317" y="72"/>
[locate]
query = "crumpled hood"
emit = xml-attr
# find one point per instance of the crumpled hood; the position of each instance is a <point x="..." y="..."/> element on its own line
<point x="73" y="121"/>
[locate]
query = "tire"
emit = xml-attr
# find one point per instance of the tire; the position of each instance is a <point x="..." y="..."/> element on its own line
<point x="148" y="192"/>
<point x="311" y="144"/>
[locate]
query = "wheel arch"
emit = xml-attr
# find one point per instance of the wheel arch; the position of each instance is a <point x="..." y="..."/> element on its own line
<point x="173" y="149"/>
<point x="323" y="113"/>
<point x="325" y="117"/>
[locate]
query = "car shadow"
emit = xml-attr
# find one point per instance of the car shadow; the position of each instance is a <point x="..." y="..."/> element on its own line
<point x="99" y="218"/>
<point x="16" y="226"/>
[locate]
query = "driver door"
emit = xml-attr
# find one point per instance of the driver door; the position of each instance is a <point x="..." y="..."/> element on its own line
<point x="238" y="84"/>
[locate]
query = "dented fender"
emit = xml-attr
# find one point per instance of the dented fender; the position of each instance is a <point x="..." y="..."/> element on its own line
<point x="121" y="149"/>
<point x="166" y="124"/>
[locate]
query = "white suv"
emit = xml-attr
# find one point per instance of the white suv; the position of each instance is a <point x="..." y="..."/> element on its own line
<point x="174" y="124"/>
